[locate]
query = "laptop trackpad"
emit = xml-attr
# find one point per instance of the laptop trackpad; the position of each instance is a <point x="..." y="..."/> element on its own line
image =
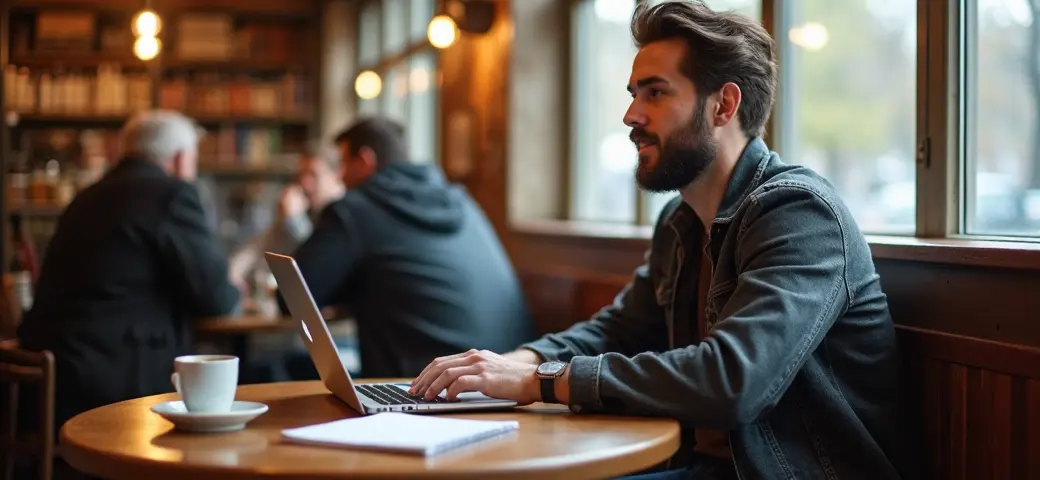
<point x="462" y="397"/>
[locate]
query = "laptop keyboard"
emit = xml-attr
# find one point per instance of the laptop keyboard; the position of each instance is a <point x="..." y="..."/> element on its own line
<point x="390" y="395"/>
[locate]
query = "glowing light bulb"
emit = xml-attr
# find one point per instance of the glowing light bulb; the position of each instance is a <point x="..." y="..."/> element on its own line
<point x="146" y="24"/>
<point x="442" y="31"/>
<point x="146" y="48"/>
<point x="368" y="85"/>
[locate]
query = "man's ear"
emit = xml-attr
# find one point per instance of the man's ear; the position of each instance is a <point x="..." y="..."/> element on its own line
<point x="729" y="97"/>
<point x="368" y="157"/>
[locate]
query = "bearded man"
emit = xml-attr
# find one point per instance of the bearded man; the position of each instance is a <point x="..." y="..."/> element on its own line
<point x="758" y="320"/>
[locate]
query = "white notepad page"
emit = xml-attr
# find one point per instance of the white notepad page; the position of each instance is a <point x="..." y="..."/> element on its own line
<point x="399" y="432"/>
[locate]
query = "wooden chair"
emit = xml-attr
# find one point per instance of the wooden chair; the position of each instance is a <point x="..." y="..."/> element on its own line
<point x="21" y="368"/>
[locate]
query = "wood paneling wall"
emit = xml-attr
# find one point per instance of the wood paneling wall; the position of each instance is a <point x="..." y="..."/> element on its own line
<point x="978" y="402"/>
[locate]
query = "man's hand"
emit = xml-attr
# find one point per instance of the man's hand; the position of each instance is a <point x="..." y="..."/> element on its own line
<point x="525" y="356"/>
<point x="479" y="371"/>
<point x="292" y="202"/>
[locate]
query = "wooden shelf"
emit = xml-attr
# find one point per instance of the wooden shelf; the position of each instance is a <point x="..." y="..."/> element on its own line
<point x="31" y="210"/>
<point x="234" y="65"/>
<point x="91" y="60"/>
<point x="285" y="8"/>
<point x="37" y="120"/>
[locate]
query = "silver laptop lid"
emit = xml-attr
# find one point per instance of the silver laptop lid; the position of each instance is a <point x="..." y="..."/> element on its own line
<point x="313" y="329"/>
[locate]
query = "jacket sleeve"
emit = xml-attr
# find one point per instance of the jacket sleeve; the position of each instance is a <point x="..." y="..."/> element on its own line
<point x="791" y="288"/>
<point x="633" y="323"/>
<point x="328" y="258"/>
<point x="189" y="251"/>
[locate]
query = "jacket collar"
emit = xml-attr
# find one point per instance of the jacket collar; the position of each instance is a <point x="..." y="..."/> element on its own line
<point x="133" y="162"/>
<point x="746" y="176"/>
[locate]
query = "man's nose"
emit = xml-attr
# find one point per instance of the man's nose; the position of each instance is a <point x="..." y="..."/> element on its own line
<point x="634" y="116"/>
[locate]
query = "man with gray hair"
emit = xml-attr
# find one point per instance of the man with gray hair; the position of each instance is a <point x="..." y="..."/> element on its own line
<point x="130" y="263"/>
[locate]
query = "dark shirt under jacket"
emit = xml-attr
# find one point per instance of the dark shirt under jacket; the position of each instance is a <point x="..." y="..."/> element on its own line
<point x="417" y="262"/>
<point x="130" y="261"/>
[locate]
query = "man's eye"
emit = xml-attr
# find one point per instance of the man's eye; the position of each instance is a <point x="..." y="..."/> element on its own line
<point x="654" y="93"/>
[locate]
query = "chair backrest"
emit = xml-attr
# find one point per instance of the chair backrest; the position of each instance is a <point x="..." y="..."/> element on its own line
<point x="21" y="368"/>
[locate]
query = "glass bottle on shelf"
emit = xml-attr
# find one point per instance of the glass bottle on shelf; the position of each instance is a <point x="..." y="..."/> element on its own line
<point x="18" y="181"/>
<point x="23" y="266"/>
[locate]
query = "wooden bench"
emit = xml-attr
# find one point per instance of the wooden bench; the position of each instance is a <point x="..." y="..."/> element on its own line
<point x="978" y="401"/>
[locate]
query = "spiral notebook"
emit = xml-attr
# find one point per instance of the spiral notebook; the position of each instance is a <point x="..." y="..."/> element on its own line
<point x="399" y="432"/>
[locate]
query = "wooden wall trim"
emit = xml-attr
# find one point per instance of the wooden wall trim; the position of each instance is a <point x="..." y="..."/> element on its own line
<point x="1015" y="255"/>
<point x="1012" y="359"/>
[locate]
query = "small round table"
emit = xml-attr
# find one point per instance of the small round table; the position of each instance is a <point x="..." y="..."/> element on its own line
<point x="127" y="440"/>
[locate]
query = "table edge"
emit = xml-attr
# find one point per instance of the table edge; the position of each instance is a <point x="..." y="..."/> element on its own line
<point x="580" y="465"/>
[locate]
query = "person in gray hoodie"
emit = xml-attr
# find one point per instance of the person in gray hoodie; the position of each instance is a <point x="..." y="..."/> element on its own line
<point x="413" y="257"/>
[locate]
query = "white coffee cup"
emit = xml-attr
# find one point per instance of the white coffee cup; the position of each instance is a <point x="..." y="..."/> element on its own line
<point x="206" y="383"/>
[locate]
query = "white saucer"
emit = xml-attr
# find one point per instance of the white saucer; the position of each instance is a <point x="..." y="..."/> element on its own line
<point x="241" y="413"/>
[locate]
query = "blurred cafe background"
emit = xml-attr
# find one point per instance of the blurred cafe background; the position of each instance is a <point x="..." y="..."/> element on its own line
<point x="925" y="115"/>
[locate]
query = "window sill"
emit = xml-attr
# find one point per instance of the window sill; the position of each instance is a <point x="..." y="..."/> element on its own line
<point x="1017" y="255"/>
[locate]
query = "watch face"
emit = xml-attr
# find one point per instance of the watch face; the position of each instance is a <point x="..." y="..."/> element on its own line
<point x="551" y="369"/>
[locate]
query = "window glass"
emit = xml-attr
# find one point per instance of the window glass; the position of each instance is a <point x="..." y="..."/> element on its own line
<point x="420" y="15"/>
<point x="368" y="34"/>
<point x="604" y="181"/>
<point x="1001" y="194"/>
<point x="847" y="103"/>
<point x="422" y="108"/>
<point x="395" y="25"/>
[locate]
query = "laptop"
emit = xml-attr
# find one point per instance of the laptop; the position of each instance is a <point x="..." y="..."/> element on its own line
<point x="365" y="398"/>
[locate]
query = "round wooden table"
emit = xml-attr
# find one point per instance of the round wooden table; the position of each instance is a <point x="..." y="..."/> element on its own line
<point x="126" y="440"/>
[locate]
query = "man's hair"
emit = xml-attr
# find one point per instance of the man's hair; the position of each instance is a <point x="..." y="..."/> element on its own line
<point x="158" y="135"/>
<point x="383" y="136"/>
<point x="324" y="152"/>
<point x="721" y="47"/>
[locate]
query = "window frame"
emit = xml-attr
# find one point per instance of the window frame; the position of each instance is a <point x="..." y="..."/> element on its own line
<point x="387" y="61"/>
<point x="941" y="160"/>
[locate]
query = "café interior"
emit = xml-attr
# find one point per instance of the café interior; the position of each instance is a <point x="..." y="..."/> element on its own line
<point x="923" y="115"/>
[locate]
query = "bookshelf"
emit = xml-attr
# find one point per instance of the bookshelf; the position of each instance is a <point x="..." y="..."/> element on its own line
<point x="246" y="71"/>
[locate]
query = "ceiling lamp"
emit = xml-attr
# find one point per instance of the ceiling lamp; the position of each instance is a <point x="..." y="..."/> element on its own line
<point x="456" y="16"/>
<point x="368" y="85"/>
<point x="442" y="31"/>
<point x="146" y="24"/>
<point x="146" y="48"/>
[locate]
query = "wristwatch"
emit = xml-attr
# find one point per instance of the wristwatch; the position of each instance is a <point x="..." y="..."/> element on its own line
<point x="547" y="374"/>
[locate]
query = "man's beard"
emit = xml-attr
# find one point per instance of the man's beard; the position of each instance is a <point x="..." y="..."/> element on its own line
<point x="681" y="157"/>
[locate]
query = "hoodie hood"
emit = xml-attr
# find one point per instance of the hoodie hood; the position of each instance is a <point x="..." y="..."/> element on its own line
<point x="417" y="194"/>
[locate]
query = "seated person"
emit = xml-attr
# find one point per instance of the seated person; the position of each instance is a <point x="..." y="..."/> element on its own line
<point x="412" y="257"/>
<point x="758" y="321"/>
<point x="130" y="264"/>
<point x="317" y="184"/>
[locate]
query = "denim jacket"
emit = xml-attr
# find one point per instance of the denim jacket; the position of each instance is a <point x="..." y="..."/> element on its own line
<point x="800" y="362"/>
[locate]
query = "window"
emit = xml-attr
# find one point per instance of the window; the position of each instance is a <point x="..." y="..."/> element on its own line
<point x="847" y="103"/>
<point x="855" y="102"/>
<point x="605" y="189"/>
<point x="1001" y="133"/>
<point x="392" y="42"/>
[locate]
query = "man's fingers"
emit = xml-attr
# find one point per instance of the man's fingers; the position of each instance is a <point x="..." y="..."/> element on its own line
<point x="433" y="373"/>
<point x="434" y="364"/>
<point x="448" y="377"/>
<point x="465" y="383"/>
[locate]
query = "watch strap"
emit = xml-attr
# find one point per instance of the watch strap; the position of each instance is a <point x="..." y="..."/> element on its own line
<point x="548" y="390"/>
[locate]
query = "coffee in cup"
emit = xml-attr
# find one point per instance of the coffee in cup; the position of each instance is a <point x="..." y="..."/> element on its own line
<point x="206" y="383"/>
